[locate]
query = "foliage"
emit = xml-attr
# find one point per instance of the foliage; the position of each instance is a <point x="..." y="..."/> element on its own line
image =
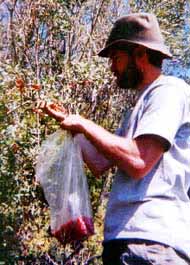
<point x="48" y="52"/>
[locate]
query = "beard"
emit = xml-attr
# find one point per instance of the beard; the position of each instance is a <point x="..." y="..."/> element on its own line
<point x="130" y="78"/>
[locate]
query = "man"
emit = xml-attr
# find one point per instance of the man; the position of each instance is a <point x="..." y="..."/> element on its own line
<point x="148" y="214"/>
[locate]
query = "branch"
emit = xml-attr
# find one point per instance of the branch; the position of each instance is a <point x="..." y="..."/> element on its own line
<point x="92" y="28"/>
<point x="10" y="33"/>
<point x="18" y="107"/>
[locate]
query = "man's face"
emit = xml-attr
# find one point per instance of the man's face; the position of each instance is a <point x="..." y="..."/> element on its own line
<point x="124" y="68"/>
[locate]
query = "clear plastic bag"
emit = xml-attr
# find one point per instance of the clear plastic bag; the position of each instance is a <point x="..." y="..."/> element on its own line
<point x="60" y="171"/>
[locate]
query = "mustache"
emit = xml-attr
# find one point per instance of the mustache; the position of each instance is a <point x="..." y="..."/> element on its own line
<point x="128" y="70"/>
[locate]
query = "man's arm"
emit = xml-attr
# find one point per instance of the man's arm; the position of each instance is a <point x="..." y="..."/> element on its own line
<point x="136" y="157"/>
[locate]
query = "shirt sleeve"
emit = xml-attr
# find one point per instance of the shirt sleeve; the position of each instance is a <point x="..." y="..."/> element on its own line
<point x="162" y="113"/>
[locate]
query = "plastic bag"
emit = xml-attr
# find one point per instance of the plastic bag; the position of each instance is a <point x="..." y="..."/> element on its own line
<point x="60" y="171"/>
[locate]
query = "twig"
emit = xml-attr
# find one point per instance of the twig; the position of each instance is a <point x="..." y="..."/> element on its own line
<point x="92" y="28"/>
<point x="21" y="105"/>
<point x="48" y="260"/>
<point x="91" y="259"/>
<point x="76" y="250"/>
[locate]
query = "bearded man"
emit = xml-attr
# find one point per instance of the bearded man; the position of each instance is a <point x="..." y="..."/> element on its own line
<point x="148" y="213"/>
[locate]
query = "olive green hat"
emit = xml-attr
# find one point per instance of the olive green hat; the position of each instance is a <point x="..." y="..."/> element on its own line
<point x="136" y="28"/>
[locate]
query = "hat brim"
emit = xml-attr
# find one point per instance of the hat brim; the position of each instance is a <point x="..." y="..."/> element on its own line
<point x="122" y="43"/>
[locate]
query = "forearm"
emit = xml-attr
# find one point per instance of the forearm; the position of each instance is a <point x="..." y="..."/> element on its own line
<point x="121" y="151"/>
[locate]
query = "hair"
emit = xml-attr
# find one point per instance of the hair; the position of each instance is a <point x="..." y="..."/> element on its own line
<point x="155" y="57"/>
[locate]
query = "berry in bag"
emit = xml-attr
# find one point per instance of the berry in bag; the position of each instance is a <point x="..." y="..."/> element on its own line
<point x="60" y="171"/>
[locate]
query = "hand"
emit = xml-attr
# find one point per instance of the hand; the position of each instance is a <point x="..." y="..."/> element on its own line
<point x="73" y="123"/>
<point x="54" y="110"/>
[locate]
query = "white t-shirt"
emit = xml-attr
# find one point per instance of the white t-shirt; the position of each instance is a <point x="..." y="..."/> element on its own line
<point x="156" y="207"/>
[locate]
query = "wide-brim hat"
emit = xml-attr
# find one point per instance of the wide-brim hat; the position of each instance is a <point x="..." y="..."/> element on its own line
<point x="136" y="28"/>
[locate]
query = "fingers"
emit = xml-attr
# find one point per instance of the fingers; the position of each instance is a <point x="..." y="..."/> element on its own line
<point x="58" y="107"/>
<point x="41" y="105"/>
<point x="55" y="110"/>
<point x="39" y="108"/>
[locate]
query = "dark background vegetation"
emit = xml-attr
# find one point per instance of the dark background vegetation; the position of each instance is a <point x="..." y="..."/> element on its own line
<point x="48" y="51"/>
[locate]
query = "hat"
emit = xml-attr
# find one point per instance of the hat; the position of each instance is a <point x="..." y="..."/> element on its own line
<point x="137" y="28"/>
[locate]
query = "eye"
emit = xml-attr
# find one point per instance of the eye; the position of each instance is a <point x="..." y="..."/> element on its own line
<point x="115" y="59"/>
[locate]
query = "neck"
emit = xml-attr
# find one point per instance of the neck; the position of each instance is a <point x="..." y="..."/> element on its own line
<point x="149" y="76"/>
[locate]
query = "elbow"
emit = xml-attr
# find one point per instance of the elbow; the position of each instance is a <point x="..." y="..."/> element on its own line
<point x="138" y="174"/>
<point x="136" y="170"/>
